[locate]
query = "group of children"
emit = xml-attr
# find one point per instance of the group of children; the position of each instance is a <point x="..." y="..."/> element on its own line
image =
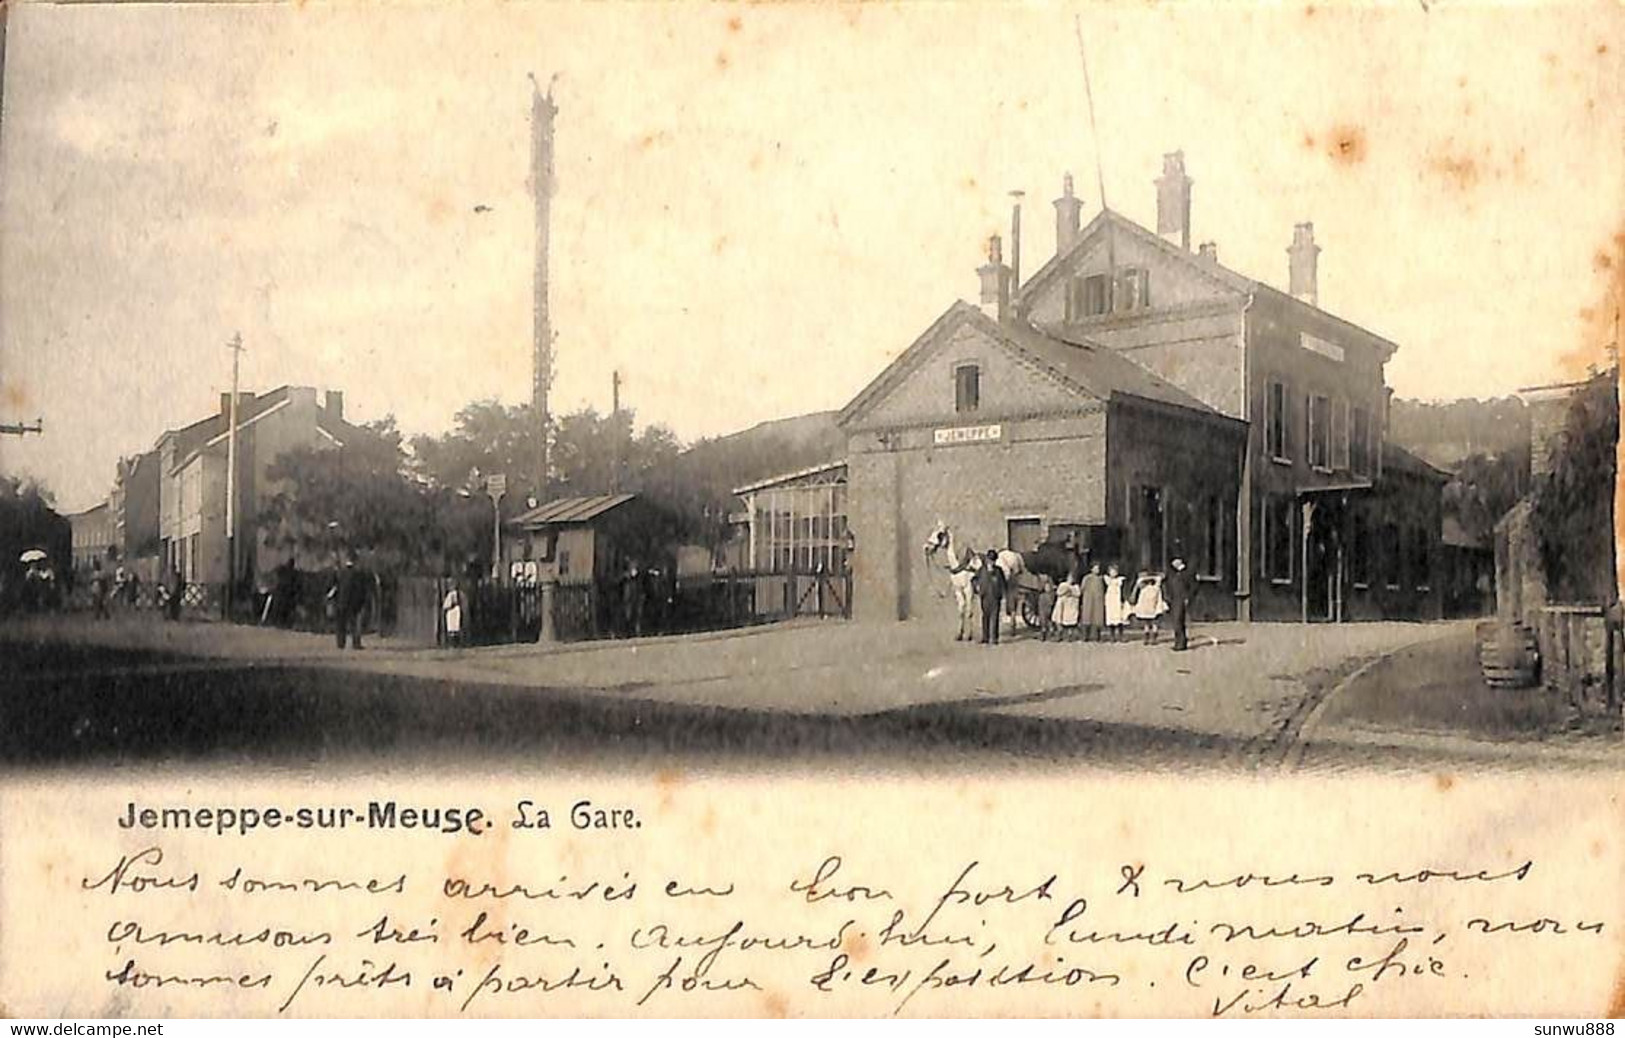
<point x="1097" y="607"/>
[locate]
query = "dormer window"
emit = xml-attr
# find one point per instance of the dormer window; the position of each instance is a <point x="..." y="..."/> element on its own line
<point x="1133" y="289"/>
<point x="1092" y="295"/>
<point x="967" y="388"/>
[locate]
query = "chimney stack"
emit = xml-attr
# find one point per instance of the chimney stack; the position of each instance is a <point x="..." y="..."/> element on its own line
<point x="1015" y="241"/>
<point x="1303" y="257"/>
<point x="1174" y="201"/>
<point x="1208" y="251"/>
<point x="1068" y="222"/>
<point x="335" y="403"/>
<point x="995" y="282"/>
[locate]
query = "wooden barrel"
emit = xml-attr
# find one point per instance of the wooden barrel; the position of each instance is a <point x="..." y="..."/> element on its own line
<point x="1508" y="655"/>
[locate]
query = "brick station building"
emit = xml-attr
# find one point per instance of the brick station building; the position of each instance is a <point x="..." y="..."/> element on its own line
<point x="1152" y="403"/>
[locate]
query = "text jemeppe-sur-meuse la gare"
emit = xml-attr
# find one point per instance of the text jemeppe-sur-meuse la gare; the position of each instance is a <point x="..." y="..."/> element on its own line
<point x="377" y="814"/>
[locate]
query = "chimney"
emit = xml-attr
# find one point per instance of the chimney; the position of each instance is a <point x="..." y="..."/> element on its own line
<point x="1067" y="217"/>
<point x="995" y="282"/>
<point x="1174" y="201"/>
<point x="1302" y="261"/>
<point x="1209" y="252"/>
<point x="1015" y="241"/>
<point x="335" y="404"/>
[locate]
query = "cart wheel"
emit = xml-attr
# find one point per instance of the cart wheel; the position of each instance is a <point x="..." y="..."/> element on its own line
<point x="1029" y="612"/>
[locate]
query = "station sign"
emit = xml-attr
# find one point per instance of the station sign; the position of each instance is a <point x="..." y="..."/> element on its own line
<point x="968" y="434"/>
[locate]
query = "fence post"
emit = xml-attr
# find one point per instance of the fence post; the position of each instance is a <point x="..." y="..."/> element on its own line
<point x="548" y="634"/>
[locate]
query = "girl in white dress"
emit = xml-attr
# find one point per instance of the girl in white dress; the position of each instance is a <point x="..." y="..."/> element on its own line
<point x="1149" y="605"/>
<point x="1116" y="605"/>
<point x="1067" y="599"/>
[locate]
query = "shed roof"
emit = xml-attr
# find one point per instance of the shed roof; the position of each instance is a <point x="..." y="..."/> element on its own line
<point x="570" y="510"/>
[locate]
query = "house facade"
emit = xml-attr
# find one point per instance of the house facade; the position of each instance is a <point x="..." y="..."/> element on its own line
<point x="192" y="466"/>
<point x="93" y="537"/>
<point x="1257" y="446"/>
<point x="134" y="503"/>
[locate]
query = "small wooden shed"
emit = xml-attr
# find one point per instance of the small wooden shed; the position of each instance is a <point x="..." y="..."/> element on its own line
<point x="579" y="540"/>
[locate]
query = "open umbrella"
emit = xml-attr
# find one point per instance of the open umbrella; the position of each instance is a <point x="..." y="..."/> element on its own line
<point x="33" y="555"/>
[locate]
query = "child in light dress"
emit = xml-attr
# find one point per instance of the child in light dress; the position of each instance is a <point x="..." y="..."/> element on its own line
<point x="1116" y="604"/>
<point x="1067" y="599"/>
<point x="1149" y="604"/>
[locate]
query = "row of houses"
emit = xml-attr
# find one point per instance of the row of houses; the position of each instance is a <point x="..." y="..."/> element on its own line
<point x="167" y="507"/>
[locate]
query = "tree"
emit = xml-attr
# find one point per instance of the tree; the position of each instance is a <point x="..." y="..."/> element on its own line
<point x="29" y="519"/>
<point x="360" y="497"/>
<point x="1574" y="501"/>
<point x="1484" y="488"/>
<point x="592" y="454"/>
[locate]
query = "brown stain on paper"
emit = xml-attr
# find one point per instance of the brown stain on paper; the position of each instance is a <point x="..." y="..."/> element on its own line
<point x="1344" y="145"/>
<point x="1600" y="322"/>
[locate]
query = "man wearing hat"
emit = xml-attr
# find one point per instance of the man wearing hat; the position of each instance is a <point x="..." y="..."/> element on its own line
<point x="1178" y="590"/>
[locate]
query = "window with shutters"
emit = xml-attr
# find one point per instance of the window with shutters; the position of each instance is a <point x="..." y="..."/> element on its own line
<point x="1360" y="441"/>
<point x="1394" y="550"/>
<point x="1276" y="420"/>
<point x="1094" y="295"/>
<point x="1360" y="556"/>
<point x="1319" y="432"/>
<point x="1340" y="435"/>
<point x="1278" y="509"/>
<point x="967" y="388"/>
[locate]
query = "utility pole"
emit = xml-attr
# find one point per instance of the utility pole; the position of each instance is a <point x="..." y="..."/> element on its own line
<point x="542" y="112"/>
<point x="236" y="348"/>
<point x="615" y="432"/>
<point x="22" y="428"/>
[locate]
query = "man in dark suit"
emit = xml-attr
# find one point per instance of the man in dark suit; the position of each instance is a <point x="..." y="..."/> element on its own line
<point x="1179" y="590"/>
<point x="990" y="586"/>
<point x="351" y="588"/>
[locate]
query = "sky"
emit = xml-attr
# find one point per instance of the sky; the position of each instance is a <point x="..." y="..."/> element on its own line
<point x="757" y="207"/>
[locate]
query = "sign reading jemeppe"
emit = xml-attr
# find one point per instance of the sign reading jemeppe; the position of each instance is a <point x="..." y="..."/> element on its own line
<point x="968" y="434"/>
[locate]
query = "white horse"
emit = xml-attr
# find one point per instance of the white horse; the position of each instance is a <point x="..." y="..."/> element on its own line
<point x="962" y="566"/>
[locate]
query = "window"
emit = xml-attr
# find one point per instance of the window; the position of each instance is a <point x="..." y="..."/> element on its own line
<point x="1394" y="549"/>
<point x="1360" y="441"/>
<point x="1420" y="562"/>
<point x="1360" y="560"/>
<point x="1211" y="562"/>
<point x="1133" y="289"/>
<point x="967" y="388"/>
<point x="564" y="562"/>
<point x="1340" y="436"/>
<point x="1275" y="421"/>
<point x="1278" y="537"/>
<point x="1094" y="294"/>
<point x="1320" y="432"/>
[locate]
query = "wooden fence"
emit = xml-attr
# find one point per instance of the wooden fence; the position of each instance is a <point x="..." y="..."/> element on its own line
<point x="497" y="613"/>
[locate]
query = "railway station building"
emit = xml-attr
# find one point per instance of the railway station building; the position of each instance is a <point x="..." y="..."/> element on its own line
<point x="1152" y="403"/>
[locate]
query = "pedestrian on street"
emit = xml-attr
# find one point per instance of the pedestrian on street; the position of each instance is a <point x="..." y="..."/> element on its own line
<point x="452" y="608"/>
<point x="121" y="586"/>
<point x="351" y="589"/>
<point x="1149" y="605"/>
<point x="633" y="594"/>
<point x="990" y="588"/>
<point x="1092" y="608"/>
<point x="98" y="592"/>
<point x="1180" y="591"/>
<point x="174" y="591"/>
<point x="1046" y="608"/>
<point x="1116" y="604"/>
<point x="1066" y="609"/>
